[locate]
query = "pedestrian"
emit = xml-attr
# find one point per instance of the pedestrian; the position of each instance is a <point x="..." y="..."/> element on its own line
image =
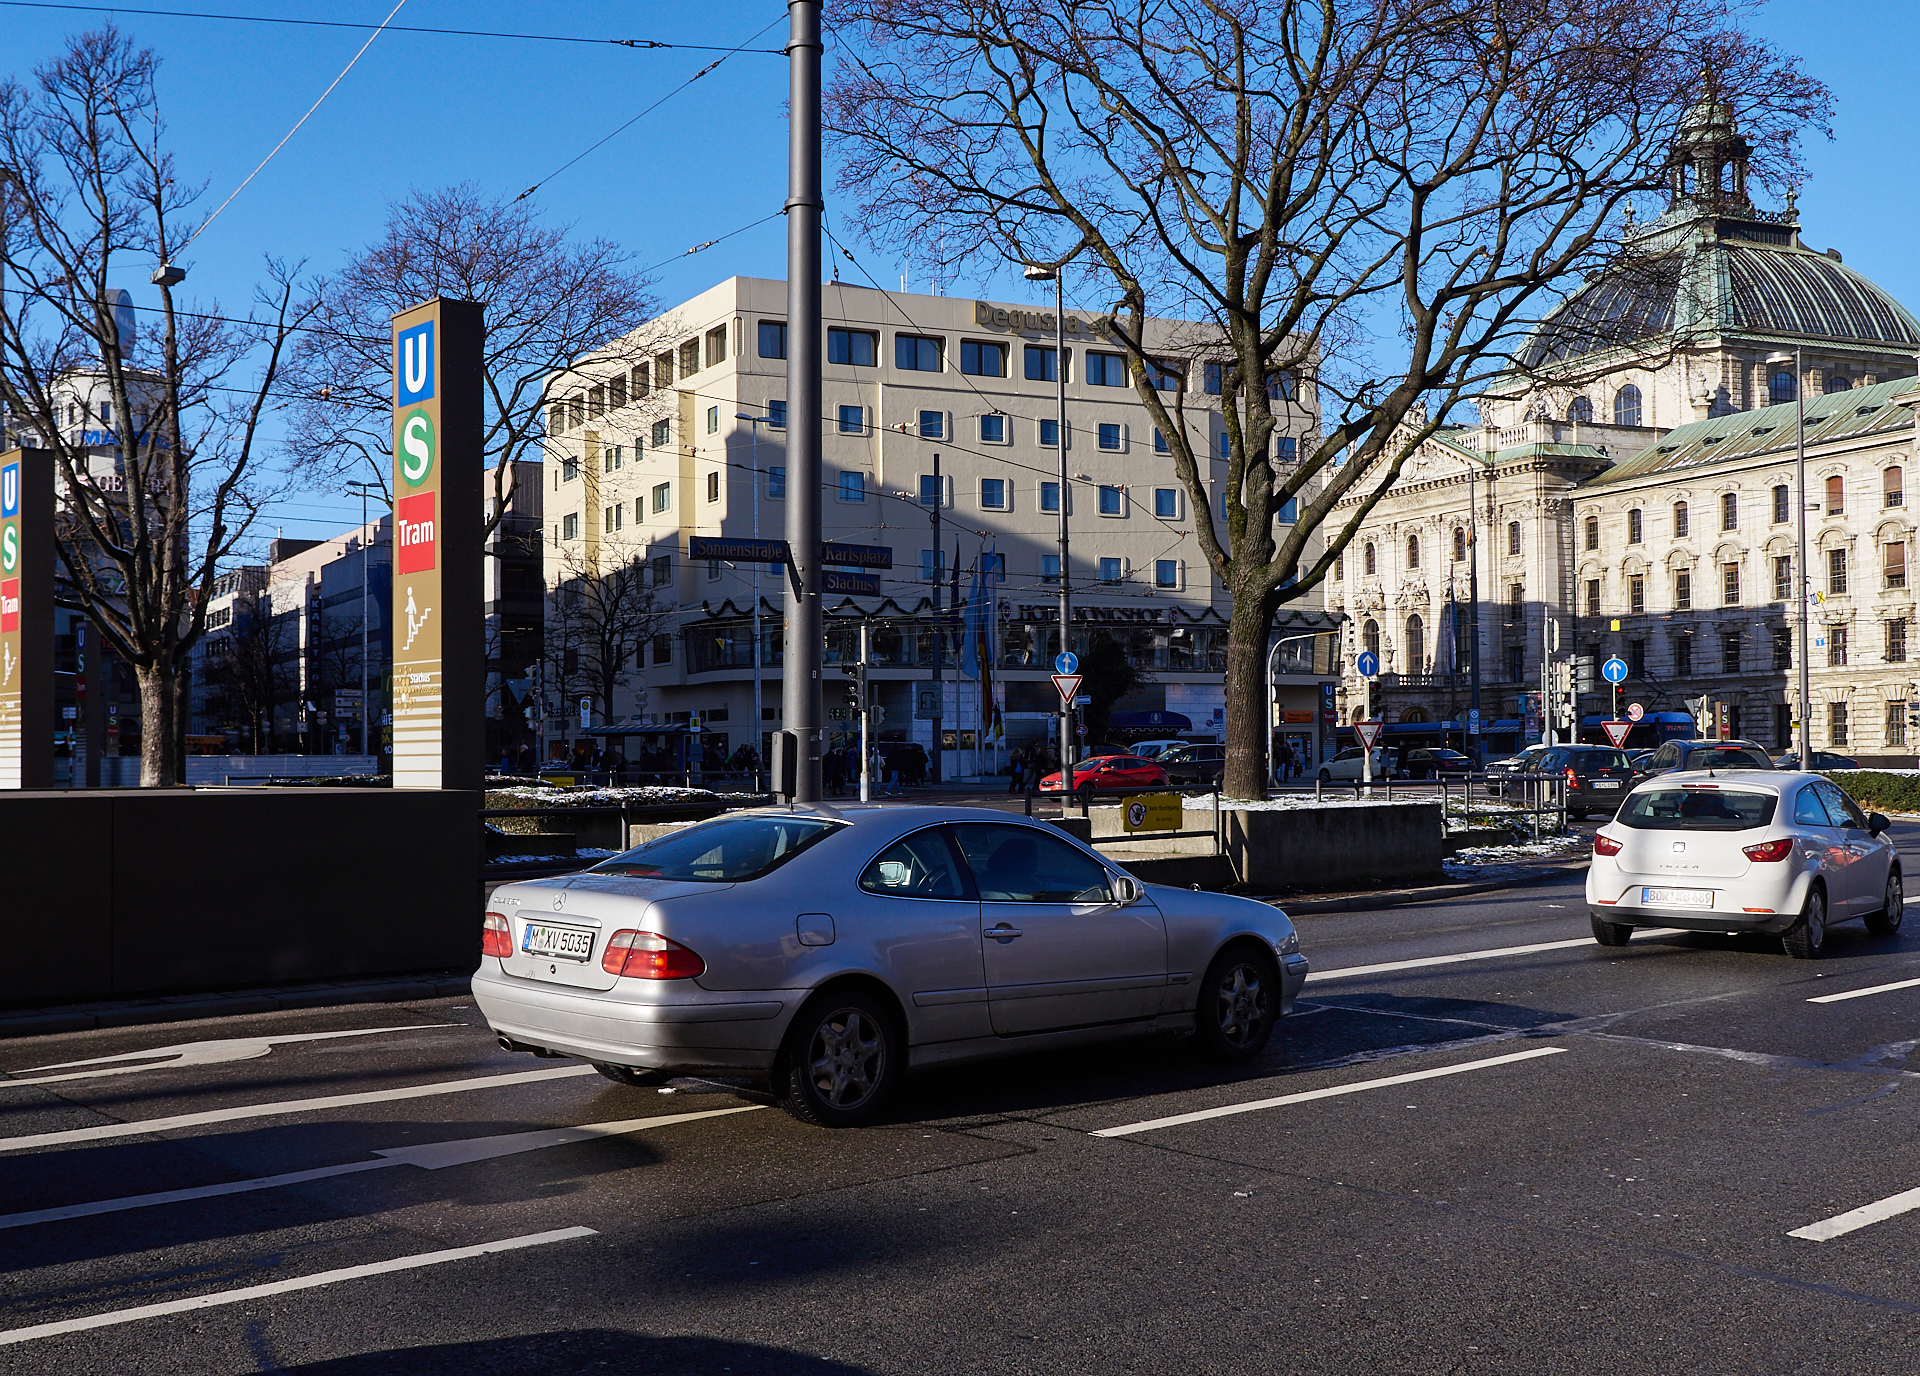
<point x="1016" y="767"/>
<point x="1299" y="761"/>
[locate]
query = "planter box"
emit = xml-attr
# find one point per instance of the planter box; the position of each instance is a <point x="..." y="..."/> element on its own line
<point x="1334" y="845"/>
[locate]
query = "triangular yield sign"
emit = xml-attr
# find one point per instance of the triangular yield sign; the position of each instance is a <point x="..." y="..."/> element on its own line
<point x="1617" y="731"/>
<point x="1069" y="686"/>
<point x="1368" y="732"/>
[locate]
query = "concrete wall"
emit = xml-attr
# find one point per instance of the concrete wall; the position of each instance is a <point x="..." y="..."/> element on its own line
<point x="172" y="891"/>
<point x="1325" y="847"/>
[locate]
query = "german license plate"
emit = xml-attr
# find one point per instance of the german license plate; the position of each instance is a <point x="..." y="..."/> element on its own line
<point x="1677" y="898"/>
<point x="1606" y="783"/>
<point x="568" y="943"/>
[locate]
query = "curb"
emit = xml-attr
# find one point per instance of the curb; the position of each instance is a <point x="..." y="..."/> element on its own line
<point x="1396" y="898"/>
<point x="84" y="1017"/>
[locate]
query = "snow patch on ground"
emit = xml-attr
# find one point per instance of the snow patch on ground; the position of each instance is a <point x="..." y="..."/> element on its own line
<point x="537" y="795"/>
<point x="1470" y="860"/>
<point x="586" y="854"/>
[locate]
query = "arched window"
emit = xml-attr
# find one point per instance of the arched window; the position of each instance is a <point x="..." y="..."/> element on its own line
<point x="1626" y="405"/>
<point x="1780" y="388"/>
<point x="1836" y="495"/>
<point x="1893" y="484"/>
<point x="1413" y="551"/>
<point x="1416" y="645"/>
<point x="1370" y="636"/>
<point x="1581" y="412"/>
<point x="1459" y="543"/>
<point x="1593" y="532"/>
<point x="1679" y="520"/>
<point x="1836" y="383"/>
<point x="1415" y="714"/>
<point x="1635" y="530"/>
<point x="1371" y="564"/>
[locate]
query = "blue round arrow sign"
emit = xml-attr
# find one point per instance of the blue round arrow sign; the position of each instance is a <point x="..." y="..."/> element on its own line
<point x="1614" y="670"/>
<point x="1368" y="664"/>
<point x="1068" y="663"/>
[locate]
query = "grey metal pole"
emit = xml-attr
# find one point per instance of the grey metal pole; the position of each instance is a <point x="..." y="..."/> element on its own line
<point x="939" y="627"/>
<point x="363" y="623"/>
<point x="1066" y="571"/>
<point x="800" y="673"/>
<point x="1478" y="743"/>
<point x="1800" y="537"/>
<point x="758" y="714"/>
<point x="866" y="745"/>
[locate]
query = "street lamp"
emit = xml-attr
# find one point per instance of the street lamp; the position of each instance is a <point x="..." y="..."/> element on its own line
<point x="1037" y="272"/>
<point x="1800" y="539"/>
<point x="363" y="489"/>
<point x="756" y="422"/>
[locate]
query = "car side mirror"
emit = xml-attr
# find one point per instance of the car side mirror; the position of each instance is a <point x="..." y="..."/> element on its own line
<point x="1877" y="822"/>
<point x="1126" y="889"/>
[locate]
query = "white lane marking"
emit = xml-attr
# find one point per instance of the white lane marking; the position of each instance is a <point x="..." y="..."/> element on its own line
<point x="1877" y="1212"/>
<point x="286" y="1106"/>
<point x="197" y="1053"/>
<point x="432" y="1156"/>
<point x="283" y="1287"/>
<point x="1862" y="993"/>
<point x="1425" y="961"/>
<point x="1306" y="1096"/>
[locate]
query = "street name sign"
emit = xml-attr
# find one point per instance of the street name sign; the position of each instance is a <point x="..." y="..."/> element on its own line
<point x="1617" y="731"/>
<point x="737" y="551"/>
<point x="1069" y="686"/>
<point x="857" y="556"/>
<point x="854" y="584"/>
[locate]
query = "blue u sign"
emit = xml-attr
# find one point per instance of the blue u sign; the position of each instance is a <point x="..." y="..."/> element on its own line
<point x="10" y="490"/>
<point x="413" y="365"/>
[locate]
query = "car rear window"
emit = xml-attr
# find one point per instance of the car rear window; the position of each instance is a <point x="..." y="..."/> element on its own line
<point x="1697" y="809"/>
<point x="1727" y="757"/>
<point x="1602" y="759"/>
<point x="726" y="850"/>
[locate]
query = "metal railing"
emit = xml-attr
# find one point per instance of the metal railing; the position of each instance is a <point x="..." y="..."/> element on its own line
<point x="1540" y="797"/>
<point x="1087" y="798"/>
<point x="620" y="833"/>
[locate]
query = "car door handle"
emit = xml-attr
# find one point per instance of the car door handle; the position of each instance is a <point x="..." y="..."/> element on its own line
<point x="1003" y="931"/>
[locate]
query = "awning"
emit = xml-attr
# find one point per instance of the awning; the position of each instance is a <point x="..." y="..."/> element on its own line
<point x="1149" y="721"/>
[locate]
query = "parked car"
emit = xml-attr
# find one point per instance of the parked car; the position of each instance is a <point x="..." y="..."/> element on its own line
<point x="1822" y="760"/>
<point x="1501" y="773"/>
<point x="1781" y="852"/>
<point x="1422" y="763"/>
<point x="1345" y="767"/>
<point x="1597" y="776"/>
<point x="1708" y="755"/>
<point x="1099" y="773"/>
<point x="834" y="950"/>
<point x="1150" y="750"/>
<point x="1638" y="759"/>
<point x="1193" y="764"/>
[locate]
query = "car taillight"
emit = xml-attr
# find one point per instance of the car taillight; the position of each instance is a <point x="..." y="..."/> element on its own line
<point x="1573" y="779"/>
<point x="1769" y="850"/>
<point x="496" y="937"/>
<point x="648" y="955"/>
<point x="1605" y="845"/>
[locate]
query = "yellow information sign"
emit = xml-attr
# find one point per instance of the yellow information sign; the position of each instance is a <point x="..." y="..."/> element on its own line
<point x="1151" y="812"/>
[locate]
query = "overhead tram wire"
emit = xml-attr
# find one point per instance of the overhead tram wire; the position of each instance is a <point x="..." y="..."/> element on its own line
<point x="391" y="28"/>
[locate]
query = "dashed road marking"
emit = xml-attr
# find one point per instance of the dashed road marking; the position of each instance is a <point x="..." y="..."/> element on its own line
<point x="1423" y="962"/>
<point x="1862" y="993"/>
<point x="1853" y="1219"/>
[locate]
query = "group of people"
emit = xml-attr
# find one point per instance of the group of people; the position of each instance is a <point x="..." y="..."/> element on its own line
<point x="1026" y="766"/>
<point x="893" y="767"/>
<point x="1289" y="760"/>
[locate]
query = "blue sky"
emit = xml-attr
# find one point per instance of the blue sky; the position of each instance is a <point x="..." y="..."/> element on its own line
<point x="427" y="110"/>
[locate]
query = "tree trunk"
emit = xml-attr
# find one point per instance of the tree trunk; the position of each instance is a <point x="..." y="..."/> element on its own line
<point x="157" y="688"/>
<point x="1248" y="711"/>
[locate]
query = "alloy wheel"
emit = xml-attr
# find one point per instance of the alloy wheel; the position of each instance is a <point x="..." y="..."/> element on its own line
<point x="1240" y="1002"/>
<point x="846" y="1058"/>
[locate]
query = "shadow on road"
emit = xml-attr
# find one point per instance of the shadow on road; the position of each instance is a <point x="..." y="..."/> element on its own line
<point x="587" y="1349"/>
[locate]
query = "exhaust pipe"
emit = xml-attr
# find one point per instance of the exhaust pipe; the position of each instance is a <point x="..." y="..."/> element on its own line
<point x="507" y="1043"/>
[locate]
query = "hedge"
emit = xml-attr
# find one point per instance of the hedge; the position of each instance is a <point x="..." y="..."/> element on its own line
<point x="1880" y="792"/>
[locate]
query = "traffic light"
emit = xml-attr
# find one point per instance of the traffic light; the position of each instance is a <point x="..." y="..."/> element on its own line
<point x="1561" y="679"/>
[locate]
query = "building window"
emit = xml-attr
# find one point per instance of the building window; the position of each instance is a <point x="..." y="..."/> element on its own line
<point x="1050" y="434"/>
<point x="663" y="370"/>
<point x="1836" y="647"/>
<point x="1106" y="370"/>
<point x="1637" y="658"/>
<point x="713" y="486"/>
<point x="1210" y="378"/>
<point x="612" y="457"/>
<point x="1413" y="551"/>
<point x="642" y="380"/>
<point x="773" y="343"/>
<point x="716" y="345"/>
<point x="1049" y="568"/>
<point x="1166" y="375"/>
<point x="662" y="434"/>
<point x="1897" y="564"/>
<point x="1416" y="645"/>
<point x="1730" y="653"/>
<point x="993" y="429"/>
<point x="1637" y="593"/>
<point x="1896" y="723"/>
<point x="1513" y="537"/>
<point x="713" y="570"/>
<point x="1593" y="532"/>
<point x="1729" y="511"/>
<point x="713" y="420"/>
<point x="557" y="418"/>
<point x="1041" y="363"/>
<point x="1679" y="520"/>
<point x="1370" y="637"/>
<point x="1516" y="601"/>
<point x="1782" y="648"/>
<point x="993" y="494"/>
<point x="1836" y="495"/>
<point x="853" y="487"/>
<point x="916" y="353"/>
<point x="1369" y="564"/>
<point x="1783" y="577"/>
<point x="1780" y="388"/>
<point x="570" y="526"/>
<point x="983" y="359"/>
<point x="662" y="496"/>
<point x="852" y="420"/>
<point x="1166" y="503"/>
<point x="930" y="490"/>
<point x="1109" y="435"/>
<point x="1634" y="527"/>
<point x="1049" y="496"/>
<point x="689" y="358"/>
<point x="854" y="348"/>
<point x="1581" y="411"/>
<point x="1166" y="573"/>
<point x="1836" y="723"/>
<point x="1897" y="641"/>
<point x="1835" y="382"/>
<point x="616" y="392"/>
<point x="1516" y="663"/>
<point x="1160" y="445"/>
<point x="1730" y="585"/>
<point x="1593" y="597"/>
<point x="596" y="402"/>
<point x="613" y="515"/>
<point x="1340" y="567"/>
<point x="1683" y="590"/>
<point x="1893" y="487"/>
<point x="1836" y="572"/>
<point x="1683" y="656"/>
<point x="1626" y="405"/>
<point x="663" y="644"/>
<point x="777" y="481"/>
<point x="1110" y="501"/>
<point x="933" y="425"/>
<point x="663" y="571"/>
<point x="777" y="415"/>
<point x="1782" y="504"/>
<point x="1289" y="512"/>
<point x="1459" y="543"/>
<point x="933" y="563"/>
<point x="569" y="468"/>
<point x="1109" y="570"/>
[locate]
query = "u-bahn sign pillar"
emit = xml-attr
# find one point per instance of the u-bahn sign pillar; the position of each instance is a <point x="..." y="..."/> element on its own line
<point x="439" y="645"/>
<point x="26" y="619"/>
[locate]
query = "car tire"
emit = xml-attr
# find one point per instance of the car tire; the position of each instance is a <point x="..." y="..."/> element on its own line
<point x="1887" y="921"/>
<point x="1239" y="1005"/>
<point x="1806" y="938"/>
<point x="841" y="1060"/>
<point x="1085" y="793"/>
<point x="1610" y="933"/>
<point x="1326" y="776"/>
<point x="631" y="1076"/>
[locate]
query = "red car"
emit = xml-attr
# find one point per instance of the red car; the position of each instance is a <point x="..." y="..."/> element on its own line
<point x="1103" y="772"/>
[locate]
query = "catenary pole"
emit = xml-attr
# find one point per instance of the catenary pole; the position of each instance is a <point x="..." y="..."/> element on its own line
<point x="800" y="674"/>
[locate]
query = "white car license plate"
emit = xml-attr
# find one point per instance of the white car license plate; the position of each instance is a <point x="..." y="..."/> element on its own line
<point x="1606" y="783"/>
<point x="1677" y="898"/>
<point x="568" y="943"/>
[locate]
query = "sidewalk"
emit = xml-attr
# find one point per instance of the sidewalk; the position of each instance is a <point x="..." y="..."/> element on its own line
<point x="82" y="1017"/>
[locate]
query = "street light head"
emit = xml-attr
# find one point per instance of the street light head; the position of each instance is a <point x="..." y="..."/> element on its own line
<point x="167" y="275"/>
<point x="742" y="415"/>
<point x="1037" y="273"/>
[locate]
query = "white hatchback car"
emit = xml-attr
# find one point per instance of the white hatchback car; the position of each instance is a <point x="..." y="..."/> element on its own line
<point x="1784" y="853"/>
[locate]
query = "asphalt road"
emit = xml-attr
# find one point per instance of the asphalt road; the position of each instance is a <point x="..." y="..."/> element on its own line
<point x="1488" y="1146"/>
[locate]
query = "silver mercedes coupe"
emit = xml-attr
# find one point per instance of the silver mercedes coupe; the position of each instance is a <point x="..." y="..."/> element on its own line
<point x="835" y="949"/>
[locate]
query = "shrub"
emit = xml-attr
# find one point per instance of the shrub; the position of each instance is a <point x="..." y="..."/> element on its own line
<point x="1880" y="792"/>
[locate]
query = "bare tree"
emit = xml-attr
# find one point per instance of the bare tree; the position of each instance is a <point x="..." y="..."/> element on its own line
<point x="87" y="194"/>
<point x="548" y="301"/>
<point x="247" y="670"/>
<point x="1376" y="196"/>
<point x="600" y="616"/>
